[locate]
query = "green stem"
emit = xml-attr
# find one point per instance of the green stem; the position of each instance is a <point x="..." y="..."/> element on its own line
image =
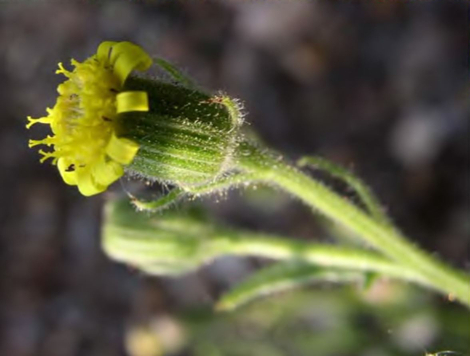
<point x="382" y="237"/>
<point x="183" y="242"/>
<point x="259" y="245"/>
<point x="169" y="245"/>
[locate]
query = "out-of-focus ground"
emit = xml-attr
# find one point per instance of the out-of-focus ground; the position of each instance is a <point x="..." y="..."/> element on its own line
<point x="380" y="86"/>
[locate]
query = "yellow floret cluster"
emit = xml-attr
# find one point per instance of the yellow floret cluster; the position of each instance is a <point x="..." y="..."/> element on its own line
<point x="85" y="147"/>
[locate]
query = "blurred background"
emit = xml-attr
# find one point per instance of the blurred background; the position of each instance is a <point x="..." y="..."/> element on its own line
<point x="378" y="86"/>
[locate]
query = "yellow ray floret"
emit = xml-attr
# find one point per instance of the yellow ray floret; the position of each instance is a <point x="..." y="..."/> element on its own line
<point x="84" y="145"/>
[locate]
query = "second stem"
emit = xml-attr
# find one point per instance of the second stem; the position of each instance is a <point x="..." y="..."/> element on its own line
<point x="382" y="237"/>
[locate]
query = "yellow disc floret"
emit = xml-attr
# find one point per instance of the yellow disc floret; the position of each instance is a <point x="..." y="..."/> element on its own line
<point x="86" y="149"/>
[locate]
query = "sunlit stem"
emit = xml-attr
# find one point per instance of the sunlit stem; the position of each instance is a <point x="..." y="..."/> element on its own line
<point x="381" y="236"/>
<point x="260" y="245"/>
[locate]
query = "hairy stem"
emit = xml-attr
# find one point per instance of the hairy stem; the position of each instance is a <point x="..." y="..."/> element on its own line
<point x="377" y="234"/>
<point x="259" y="245"/>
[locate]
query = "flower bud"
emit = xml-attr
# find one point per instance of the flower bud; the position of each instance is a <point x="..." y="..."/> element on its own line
<point x="167" y="244"/>
<point x="106" y="121"/>
<point x="186" y="137"/>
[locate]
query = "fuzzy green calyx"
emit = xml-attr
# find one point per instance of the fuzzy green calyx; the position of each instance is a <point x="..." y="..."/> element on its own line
<point x="186" y="138"/>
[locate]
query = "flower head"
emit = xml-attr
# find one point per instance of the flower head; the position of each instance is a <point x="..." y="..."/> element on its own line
<point x="86" y="149"/>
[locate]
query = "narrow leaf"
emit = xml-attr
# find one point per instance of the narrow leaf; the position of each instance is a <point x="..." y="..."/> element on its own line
<point x="175" y="73"/>
<point x="365" y="194"/>
<point x="178" y="194"/>
<point x="281" y="277"/>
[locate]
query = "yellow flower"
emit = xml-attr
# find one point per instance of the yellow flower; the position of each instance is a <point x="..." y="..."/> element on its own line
<point x="86" y="149"/>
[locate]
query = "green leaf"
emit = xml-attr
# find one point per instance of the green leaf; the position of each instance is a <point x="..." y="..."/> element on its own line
<point x="281" y="277"/>
<point x="178" y="194"/>
<point x="365" y="194"/>
<point x="175" y="73"/>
